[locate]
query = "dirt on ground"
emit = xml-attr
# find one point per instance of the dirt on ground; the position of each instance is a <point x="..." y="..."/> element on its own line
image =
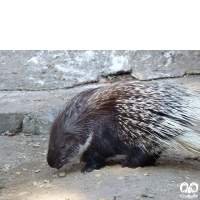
<point x="25" y="175"/>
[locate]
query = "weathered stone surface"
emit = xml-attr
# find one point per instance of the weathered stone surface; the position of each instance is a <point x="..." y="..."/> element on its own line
<point x="11" y="121"/>
<point x="28" y="124"/>
<point x="38" y="70"/>
<point x="148" y="65"/>
<point x="39" y="123"/>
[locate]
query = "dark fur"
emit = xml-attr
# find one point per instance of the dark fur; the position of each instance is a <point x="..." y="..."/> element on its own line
<point x="105" y="142"/>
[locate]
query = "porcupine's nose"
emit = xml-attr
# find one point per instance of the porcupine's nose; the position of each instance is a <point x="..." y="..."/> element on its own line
<point x="53" y="160"/>
<point x="58" y="164"/>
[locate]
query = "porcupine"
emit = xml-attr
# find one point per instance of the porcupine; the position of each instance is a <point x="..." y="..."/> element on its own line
<point x="136" y="119"/>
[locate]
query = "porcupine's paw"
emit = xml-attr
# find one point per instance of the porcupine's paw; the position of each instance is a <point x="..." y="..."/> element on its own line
<point x="142" y="162"/>
<point x="150" y="160"/>
<point x="91" y="166"/>
<point x="131" y="164"/>
<point x="139" y="158"/>
<point x="146" y="160"/>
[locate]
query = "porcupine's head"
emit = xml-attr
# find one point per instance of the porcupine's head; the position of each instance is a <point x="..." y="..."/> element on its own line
<point x="70" y="134"/>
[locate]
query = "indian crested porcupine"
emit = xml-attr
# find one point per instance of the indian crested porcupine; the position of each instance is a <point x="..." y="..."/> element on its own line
<point x="136" y="119"/>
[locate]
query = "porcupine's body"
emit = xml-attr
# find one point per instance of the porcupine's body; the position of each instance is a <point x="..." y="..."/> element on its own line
<point x="136" y="119"/>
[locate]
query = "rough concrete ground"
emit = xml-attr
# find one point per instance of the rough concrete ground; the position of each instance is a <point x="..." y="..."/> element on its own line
<point x="25" y="175"/>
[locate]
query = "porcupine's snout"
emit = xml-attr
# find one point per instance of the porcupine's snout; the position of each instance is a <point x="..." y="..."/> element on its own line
<point x="54" y="160"/>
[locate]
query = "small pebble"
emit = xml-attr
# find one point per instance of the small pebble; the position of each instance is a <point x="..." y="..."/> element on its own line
<point x="6" y="166"/>
<point x="47" y="181"/>
<point x="41" y="185"/>
<point x="194" y="157"/>
<point x="35" y="184"/>
<point x="11" y="134"/>
<point x="7" y="132"/>
<point x="61" y="174"/>
<point x="146" y="174"/>
<point x="173" y="181"/>
<point x="144" y="194"/>
<point x="48" y="185"/>
<point x="67" y="98"/>
<point x="36" y="145"/>
<point x="22" y="193"/>
<point x="97" y="175"/>
<point x="1" y="187"/>
<point x="37" y="171"/>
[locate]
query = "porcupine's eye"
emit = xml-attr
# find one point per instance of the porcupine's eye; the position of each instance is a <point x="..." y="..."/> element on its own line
<point x="63" y="147"/>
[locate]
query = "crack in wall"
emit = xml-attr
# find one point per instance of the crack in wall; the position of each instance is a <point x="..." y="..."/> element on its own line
<point x="118" y="74"/>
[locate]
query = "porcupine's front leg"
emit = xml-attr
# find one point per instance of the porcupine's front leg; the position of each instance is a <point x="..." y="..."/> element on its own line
<point x="93" y="161"/>
<point x="138" y="158"/>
